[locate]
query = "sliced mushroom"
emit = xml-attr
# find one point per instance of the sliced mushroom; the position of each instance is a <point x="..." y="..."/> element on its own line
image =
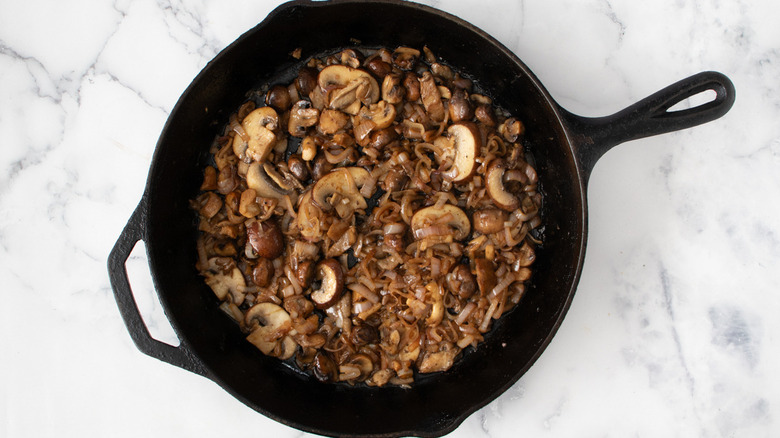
<point x="331" y="276"/>
<point x="345" y="182"/>
<point x="412" y="87"/>
<point x="511" y="129"/>
<point x="494" y="182"/>
<point x="332" y="121"/>
<point x="224" y="285"/>
<point x="405" y="57"/>
<point x="488" y="220"/>
<point x="351" y="57"/>
<point x="431" y="97"/>
<point x="302" y="116"/>
<point x="440" y="220"/>
<point x="486" y="275"/>
<point x="466" y="142"/>
<point x="363" y="363"/>
<point x="284" y="183"/>
<point x="258" y="179"/>
<point x="305" y="273"/>
<point x="461" y="282"/>
<point x="392" y="90"/>
<point x="349" y="85"/>
<point x="381" y="113"/>
<point x="324" y="369"/>
<point x="259" y="126"/>
<point x="269" y="324"/>
<point x="263" y="272"/>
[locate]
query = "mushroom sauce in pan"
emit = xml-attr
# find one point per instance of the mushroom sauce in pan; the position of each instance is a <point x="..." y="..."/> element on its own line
<point x="371" y="219"/>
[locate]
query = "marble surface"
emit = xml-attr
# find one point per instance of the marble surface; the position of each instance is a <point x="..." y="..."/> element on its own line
<point x="673" y="331"/>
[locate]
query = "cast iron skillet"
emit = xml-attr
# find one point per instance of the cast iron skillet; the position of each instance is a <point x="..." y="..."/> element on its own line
<point x="565" y="146"/>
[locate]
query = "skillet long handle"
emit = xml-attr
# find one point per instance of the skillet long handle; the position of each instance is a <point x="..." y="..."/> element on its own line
<point x="117" y="271"/>
<point x="650" y="116"/>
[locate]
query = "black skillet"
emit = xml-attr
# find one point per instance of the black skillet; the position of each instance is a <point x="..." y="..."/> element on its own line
<point x="564" y="145"/>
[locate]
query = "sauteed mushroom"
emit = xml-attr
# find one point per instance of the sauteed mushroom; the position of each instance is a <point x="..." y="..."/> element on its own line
<point x="388" y="235"/>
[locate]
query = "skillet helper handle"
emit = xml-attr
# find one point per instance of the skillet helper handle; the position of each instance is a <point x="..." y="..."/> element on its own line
<point x="651" y="116"/>
<point x="133" y="232"/>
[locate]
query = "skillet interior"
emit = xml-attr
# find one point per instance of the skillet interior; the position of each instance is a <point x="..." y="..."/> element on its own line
<point x="437" y="403"/>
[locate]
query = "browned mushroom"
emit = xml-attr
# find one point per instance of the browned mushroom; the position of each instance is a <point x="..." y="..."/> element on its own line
<point x="345" y="182"/>
<point x="298" y="167"/>
<point x="258" y="179"/>
<point x="305" y="273"/>
<point x="484" y="113"/>
<point x="263" y="272"/>
<point x="393" y="91"/>
<point x="331" y="276"/>
<point x="431" y="97"/>
<point x="378" y="67"/>
<point x="405" y="57"/>
<point x="269" y="325"/>
<point x="435" y="220"/>
<point x="461" y="282"/>
<point x="397" y="158"/>
<point x="488" y="220"/>
<point x="325" y="370"/>
<point x="302" y="116"/>
<point x="278" y="97"/>
<point x="486" y="275"/>
<point x="231" y="285"/>
<point x="351" y="87"/>
<point x="382" y="114"/>
<point x="460" y="107"/>
<point x="260" y="126"/>
<point x="306" y="81"/>
<point x="412" y="87"/>
<point x="494" y="182"/>
<point x="265" y="238"/>
<point x="461" y="148"/>
<point x="332" y="121"/>
<point x="511" y="129"/>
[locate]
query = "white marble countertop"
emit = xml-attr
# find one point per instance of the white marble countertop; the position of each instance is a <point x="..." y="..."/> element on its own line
<point x="673" y="331"/>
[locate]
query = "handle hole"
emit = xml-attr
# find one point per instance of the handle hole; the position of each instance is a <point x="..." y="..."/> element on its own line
<point x="701" y="98"/>
<point x="146" y="298"/>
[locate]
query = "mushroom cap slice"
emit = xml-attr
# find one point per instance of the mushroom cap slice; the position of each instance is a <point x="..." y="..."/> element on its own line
<point x="494" y="183"/>
<point x="331" y="274"/>
<point x="486" y="275"/>
<point x="358" y="86"/>
<point x="232" y="284"/>
<point x="259" y="126"/>
<point x="344" y="181"/>
<point x="270" y="325"/>
<point x="466" y="142"/>
<point x="258" y="179"/>
<point x="447" y="215"/>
